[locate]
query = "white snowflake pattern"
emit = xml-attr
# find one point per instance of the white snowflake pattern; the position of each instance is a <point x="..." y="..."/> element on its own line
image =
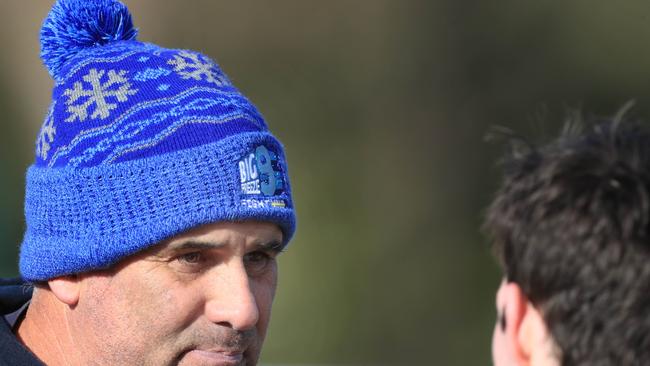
<point x="98" y="94"/>
<point x="46" y="136"/>
<point x="191" y="66"/>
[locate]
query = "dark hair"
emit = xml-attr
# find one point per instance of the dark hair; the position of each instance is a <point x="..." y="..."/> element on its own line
<point x="570" y="225"/>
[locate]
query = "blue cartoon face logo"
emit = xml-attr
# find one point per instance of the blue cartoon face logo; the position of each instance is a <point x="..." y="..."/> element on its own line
<point x="260" y="173"/>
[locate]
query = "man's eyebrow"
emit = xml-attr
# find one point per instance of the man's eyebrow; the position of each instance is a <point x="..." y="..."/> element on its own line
<point x="273" y="246"/>
<point x="192" y="244"/>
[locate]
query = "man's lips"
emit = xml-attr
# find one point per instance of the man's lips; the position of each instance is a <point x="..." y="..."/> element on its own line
<point x="218" y="357"/>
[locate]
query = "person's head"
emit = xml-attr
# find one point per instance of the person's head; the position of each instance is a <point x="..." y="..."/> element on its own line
<point x="200" y="298"/>
<point x="157" y="202"/>
<point x="570" y="226"/>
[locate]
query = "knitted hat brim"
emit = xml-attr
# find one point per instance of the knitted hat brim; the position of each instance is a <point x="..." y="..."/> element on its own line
<point x="79" y="220"/>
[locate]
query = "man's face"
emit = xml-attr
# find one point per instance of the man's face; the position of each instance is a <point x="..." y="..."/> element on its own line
<point x="201" y="298"/>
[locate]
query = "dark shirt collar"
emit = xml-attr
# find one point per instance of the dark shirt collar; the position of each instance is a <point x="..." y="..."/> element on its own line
<point x="13" y="318"/>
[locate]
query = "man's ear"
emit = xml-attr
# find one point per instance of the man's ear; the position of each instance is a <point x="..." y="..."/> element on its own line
<point x="66" y="289"/>
<point x="514" y="308"/>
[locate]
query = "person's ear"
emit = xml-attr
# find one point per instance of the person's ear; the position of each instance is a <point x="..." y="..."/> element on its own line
<point x="524" y="339"/>
<point x="514" y="308"/>
<point x="66" y="289"/>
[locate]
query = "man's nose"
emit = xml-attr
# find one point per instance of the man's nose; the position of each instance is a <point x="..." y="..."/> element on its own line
<point x="232" y="301"/>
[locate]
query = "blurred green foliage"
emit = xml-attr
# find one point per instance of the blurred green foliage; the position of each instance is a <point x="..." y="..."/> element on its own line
<point x="382" y="106"/>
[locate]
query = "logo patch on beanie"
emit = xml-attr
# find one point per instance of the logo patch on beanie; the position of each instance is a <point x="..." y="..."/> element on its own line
<point x="260" y="173"/>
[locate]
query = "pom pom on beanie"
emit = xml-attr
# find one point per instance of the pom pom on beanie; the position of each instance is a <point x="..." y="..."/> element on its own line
<point x="75" y="25"/>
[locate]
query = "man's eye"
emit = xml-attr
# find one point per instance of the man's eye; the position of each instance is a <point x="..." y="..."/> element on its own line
<point x="257" y="261"/>
<point x="190" y="258"/>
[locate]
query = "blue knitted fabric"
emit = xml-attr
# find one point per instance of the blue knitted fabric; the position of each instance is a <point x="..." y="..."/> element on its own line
<point x="140" y="143"/>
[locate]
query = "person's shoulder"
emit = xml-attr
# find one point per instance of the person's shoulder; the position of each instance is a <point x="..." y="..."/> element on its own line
<point x="14" y="293"/>
<point x="12" y="352"/>
<point x="13" y="281"/>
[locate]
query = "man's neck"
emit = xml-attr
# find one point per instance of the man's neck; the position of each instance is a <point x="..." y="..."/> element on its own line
<point x="45" y="330"/>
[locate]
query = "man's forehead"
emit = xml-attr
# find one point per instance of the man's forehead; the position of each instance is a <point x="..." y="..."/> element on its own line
<point x="223" y="233"/>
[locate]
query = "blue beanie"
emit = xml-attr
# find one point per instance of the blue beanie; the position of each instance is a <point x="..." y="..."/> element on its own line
<point x="140" y="143"/>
